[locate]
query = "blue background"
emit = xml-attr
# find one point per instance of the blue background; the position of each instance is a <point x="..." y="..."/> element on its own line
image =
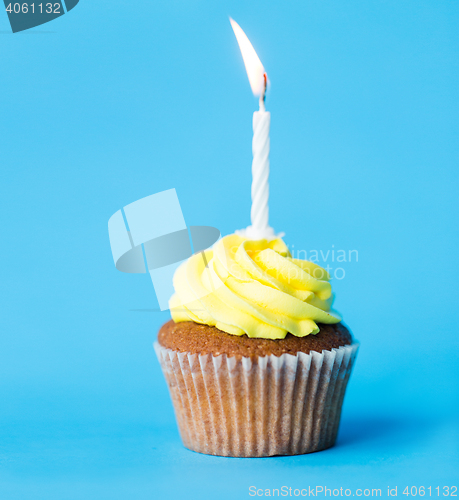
<point x="118" y="100"/>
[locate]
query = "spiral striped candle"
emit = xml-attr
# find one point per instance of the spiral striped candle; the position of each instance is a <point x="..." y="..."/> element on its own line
<point x="260" y="172"/>
<point x="260" y="145"/>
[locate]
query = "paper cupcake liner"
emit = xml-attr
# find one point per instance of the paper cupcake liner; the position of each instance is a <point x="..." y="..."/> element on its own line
<point x="243" y="407"/>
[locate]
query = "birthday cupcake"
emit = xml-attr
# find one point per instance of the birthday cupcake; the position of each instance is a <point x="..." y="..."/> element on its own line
<point x="256" y="361"/>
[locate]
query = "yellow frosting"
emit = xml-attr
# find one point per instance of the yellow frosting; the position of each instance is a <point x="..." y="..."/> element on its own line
<point x="253" y="287"/>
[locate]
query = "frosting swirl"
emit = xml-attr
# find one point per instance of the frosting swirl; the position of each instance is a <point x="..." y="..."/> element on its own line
<point x="250" y="287"/>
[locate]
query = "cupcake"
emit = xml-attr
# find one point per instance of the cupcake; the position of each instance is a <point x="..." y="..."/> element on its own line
<point x="256" y="361"/>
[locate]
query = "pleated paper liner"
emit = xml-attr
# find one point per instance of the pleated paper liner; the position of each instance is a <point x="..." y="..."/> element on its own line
<point x="243" y="407"/>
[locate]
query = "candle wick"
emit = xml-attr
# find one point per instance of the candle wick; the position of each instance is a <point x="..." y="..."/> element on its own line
<point x="263" y="93"/>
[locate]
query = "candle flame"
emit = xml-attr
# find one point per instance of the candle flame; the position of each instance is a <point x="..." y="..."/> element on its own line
<point x="255" y="70"/>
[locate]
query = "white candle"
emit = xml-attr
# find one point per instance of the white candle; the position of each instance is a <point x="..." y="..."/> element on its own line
<point x="260" y="171"/>
<point x="260" y="145"/>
